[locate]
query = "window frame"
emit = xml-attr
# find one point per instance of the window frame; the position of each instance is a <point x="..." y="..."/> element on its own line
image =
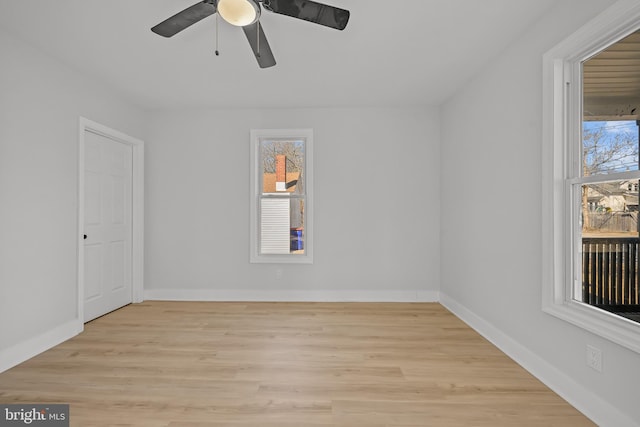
<point x="561" y="145"/>
<point x="256" y="195"/>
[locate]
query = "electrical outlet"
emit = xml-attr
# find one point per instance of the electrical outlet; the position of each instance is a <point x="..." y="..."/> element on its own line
<point x="594" y="358"/>
<point x="278" y="273"/>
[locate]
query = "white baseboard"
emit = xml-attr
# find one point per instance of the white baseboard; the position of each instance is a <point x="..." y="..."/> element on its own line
<point x="25" y="350"/>
<point x="290" y="295"/>
<point x="599" y="411"/>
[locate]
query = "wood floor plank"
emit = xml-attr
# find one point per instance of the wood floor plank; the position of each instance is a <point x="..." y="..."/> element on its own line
<point x="205" y="364"/>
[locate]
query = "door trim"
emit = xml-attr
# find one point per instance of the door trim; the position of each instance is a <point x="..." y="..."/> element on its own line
<point x="137" y="205"/>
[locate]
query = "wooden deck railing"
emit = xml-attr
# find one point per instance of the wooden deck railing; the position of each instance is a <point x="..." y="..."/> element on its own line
<point x="610" y="271"/>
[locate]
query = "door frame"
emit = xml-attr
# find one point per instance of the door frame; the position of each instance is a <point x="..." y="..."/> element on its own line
<point x="137" y="205"/>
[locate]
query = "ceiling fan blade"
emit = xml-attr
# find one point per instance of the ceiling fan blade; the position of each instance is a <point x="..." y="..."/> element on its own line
<point x="259" y="45"/>
<point x="184" y="19"/>
<point x="311" y="11"/>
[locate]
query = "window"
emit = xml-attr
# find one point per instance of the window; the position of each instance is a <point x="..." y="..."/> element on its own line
<point x="591" y="240"/>
<point x="281" y="196"/>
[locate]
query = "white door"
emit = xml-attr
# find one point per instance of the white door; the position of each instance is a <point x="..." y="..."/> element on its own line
<point x="107" y="225"/>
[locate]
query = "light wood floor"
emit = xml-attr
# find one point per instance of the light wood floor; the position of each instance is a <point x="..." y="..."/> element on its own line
<point x="197" y="364"/>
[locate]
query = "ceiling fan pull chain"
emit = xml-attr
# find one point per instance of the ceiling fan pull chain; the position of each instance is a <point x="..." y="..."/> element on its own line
<point x="217" y="52"/>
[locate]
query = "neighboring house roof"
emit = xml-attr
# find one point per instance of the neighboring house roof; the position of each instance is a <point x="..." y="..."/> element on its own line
<point x="615" y="194"/>
<point x="269" y="182"/>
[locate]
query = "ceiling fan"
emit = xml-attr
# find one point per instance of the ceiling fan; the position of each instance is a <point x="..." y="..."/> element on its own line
<point x="246" y="14"/>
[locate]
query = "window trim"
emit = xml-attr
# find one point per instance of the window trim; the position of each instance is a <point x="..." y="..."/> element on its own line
<point x="255" y="195"/>
<point x="561" y="114"/>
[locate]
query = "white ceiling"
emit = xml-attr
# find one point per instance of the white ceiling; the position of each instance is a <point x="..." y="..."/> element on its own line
<point x="403" y="52"/>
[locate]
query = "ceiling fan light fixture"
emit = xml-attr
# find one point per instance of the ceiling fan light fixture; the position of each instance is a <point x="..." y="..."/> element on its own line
<point x="239" y="12"/>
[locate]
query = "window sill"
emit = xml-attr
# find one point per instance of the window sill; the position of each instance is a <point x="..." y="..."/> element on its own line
<point x="281" y="259"/>
<point x="622" y="331"/>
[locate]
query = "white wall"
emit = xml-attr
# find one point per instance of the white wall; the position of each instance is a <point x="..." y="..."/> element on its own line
<point x="491" y="225"/>
<point x="376" y="206"/>
<point x="40" y="104"/>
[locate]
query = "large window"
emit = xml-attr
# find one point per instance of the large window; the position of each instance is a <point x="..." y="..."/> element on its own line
<point x="607" y="229"/>
<point x="591" y="240"/>
<point x="281" y="202"/>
